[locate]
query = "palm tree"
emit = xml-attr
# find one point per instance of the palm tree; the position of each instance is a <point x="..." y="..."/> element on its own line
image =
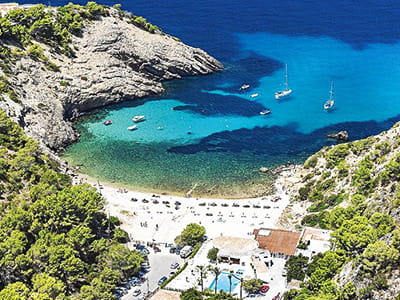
<point x="216" y="272"/>
<point x="203" y="272"/>
<point x="230" y="281"/>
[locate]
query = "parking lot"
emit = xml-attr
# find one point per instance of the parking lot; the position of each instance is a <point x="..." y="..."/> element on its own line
<point x="160" y="265"/>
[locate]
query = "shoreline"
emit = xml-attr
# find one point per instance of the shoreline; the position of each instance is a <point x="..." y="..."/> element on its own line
<point x="116" y="185"/>
<point x="159" y="218"/>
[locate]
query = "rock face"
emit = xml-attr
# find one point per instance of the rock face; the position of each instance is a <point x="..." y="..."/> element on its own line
<point x="115" y="61"/>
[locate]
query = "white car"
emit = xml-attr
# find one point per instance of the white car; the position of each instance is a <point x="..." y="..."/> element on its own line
<point x="174" y="265"/>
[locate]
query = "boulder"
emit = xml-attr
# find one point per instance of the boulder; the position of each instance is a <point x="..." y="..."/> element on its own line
<point x="340" y="136"/>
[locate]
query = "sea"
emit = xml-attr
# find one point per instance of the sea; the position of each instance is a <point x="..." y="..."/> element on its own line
<point x="215" y="140"/>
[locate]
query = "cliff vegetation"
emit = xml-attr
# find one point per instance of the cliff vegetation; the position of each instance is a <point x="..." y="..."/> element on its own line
<point x="55" y="240"/>
<point x="354" y="190"/>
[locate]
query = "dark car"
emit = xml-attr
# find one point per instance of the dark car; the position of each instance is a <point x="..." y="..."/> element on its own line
<point x="202" y="204"/>
<point x="156" y="201"/>
<point x="209" y="214"/>
<point x="246" y="206"/>
<point x="256" y="206"/>
<point x="266" y="206"/>
<point x="235" y="205"/>
<point x="156" y="249"/>
<point x="165" y="202"/>
<point x="212" y="204"/>
<point x="178" y="250"/>
<point x="177" y="203"/>
<point x="224" y="205"/>
<point x="145" y="201"/>
<point x="142" y="249"/>
<point x="172" y="250"/>
<point x="134" y="199"/>
<point x="162" y="280"/>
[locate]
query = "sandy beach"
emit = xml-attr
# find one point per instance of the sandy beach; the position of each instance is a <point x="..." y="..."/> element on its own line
<point x="160" y="218"/>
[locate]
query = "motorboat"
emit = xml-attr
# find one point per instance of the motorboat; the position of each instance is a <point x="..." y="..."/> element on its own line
<point x="265" y="112"/>
<point x="286" y="91"/>
<point x="329" y="103"/>
<point x="137" y="119"/>
<point x="254" y="95"/>
<point x="108" y="122"/>
<point x="131" y="128"/>
<point x="244" y="86"/>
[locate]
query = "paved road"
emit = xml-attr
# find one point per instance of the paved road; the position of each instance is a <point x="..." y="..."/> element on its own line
<point x="159" y="266"/>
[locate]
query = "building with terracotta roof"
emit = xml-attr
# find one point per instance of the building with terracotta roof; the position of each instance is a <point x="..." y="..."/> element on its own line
<point x="280" y="243"/>
<point x="6" y="7"/>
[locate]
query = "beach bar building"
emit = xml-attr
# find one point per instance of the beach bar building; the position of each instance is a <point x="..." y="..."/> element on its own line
<point x="234" y="250"/>
<point x="279" y="243"/>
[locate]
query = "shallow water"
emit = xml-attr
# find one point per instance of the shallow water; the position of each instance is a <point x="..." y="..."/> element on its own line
<point x="354" y="44"/>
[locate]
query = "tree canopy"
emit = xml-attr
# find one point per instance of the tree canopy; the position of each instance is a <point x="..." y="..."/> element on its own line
<point x="54" y="242"/>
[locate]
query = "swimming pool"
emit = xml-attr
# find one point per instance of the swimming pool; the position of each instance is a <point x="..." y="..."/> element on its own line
<point x="223" y="282"/>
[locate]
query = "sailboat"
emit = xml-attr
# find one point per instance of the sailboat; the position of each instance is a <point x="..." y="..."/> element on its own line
<point x="329" y="103"/>
<point x="286" y="91"/>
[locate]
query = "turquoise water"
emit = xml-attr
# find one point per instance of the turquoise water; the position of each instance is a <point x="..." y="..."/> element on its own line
<point x="214" y="138"/>
<point x="223" y="283"/>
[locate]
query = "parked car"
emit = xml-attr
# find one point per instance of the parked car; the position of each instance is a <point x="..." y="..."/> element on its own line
<point x="174" y="265"/>
<point x="172" y="250"/>
<point x="202" y="204"/>
<point x="137" y="292"/>
<point x="235" y="205"/>
<point x="171" y="273"/>
<point x="186" y="251"/>
<point x="264" y="289"/>
<point x="145" y="201"/>
<point x="177" y="203"/>
<point x="178" y="250"/>
<point x="162" y="280"/>
<point x="134" y="199"/>
<point x="142" y="249"/>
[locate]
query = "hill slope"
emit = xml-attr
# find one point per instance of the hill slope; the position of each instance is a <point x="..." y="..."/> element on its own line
<point x="353" y="189"/>
<point x="59" y="62"/>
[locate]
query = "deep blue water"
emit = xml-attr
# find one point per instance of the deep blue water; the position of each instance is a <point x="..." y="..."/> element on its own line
<point x="354" y="43"/>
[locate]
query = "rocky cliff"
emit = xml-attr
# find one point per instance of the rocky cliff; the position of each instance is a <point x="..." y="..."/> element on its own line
<point x="354" y="190"/>
<point x="113" y="61"/>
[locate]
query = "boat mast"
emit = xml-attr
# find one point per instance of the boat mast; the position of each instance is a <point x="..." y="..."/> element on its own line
<point x="286" y="79"/>
<point x="331" y="91"/>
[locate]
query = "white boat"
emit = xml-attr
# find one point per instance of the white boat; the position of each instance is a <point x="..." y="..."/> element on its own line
<point x="133" y="127"/>
<point x="244" y="86"/>
<point x="265" y="112"/>
<point x="286" y="91"/>
<point x="138" y="119"/>
<point x="254" y="95"/>
<point x="329" y="103"/>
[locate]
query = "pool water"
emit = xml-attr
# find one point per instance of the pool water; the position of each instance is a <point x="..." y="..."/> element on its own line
<point x="223" y="282"/>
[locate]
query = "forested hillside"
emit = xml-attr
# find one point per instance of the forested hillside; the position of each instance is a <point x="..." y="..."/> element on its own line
<point x="354" y="190"/>
<point x="54" y="237"/>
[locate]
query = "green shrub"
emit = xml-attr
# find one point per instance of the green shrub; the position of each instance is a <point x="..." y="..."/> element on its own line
<point x="336" y="155"/>
<point x="64" y="83"/>
<point x="311" y="162"/>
